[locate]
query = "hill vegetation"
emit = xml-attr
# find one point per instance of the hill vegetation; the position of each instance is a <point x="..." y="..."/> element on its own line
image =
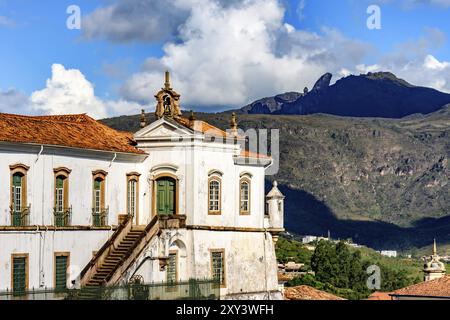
<point x="381" y="182"/>
<point x="341" y="270"/>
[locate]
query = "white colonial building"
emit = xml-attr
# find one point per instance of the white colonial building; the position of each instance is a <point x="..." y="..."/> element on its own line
<point x="83" y="205"/>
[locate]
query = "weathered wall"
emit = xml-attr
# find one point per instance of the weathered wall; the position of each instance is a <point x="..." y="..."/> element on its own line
<point x="41" y="183"/>
<point x="41" y="247"/>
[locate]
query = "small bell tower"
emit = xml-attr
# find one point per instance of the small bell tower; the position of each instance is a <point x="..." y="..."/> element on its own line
<point x="168" y="101"/>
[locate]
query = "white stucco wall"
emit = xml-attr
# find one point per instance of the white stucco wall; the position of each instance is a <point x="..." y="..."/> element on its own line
<point x="41" y="247"/>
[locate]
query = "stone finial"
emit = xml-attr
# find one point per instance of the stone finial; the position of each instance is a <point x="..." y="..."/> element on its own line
<point x="192" y="119"/>
<point x="167" y="82"/>
<point x="143" y="120"/>
<point x="434" y="248"/>
<point x="233" y="124"/>
<point x="275" y="184"/>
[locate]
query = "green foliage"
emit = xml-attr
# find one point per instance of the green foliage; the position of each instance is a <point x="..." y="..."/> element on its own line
<point x="289" y="250"/>
<point x="342" y="271"/>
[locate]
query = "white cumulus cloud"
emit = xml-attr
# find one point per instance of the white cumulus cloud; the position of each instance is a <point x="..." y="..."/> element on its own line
<point x="229" y="56"/>
<point x="69" y="92"/>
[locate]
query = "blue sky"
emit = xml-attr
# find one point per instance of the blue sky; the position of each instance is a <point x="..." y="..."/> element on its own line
<point x="221" y="53"/>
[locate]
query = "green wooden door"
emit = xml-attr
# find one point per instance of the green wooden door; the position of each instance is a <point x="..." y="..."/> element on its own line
<point x="61" y="273"/>
<point x="19" y="276"/>
<point x="165" y="196"/>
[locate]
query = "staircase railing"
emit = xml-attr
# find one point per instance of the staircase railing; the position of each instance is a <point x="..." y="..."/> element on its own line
<point x="152" y="229"/>
<point x="104" y="251"/>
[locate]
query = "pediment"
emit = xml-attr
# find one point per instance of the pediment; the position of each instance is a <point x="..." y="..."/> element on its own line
<point x="162" y="129"/>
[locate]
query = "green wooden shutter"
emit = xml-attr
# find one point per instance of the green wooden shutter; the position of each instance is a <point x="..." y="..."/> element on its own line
<point x="161" y="197"/>
<point x="59" y="182"/>
<point x="19" y="275"/>
<point x="165" y="194"/>
<point x="17" y="180"/>
<point x="172" y="268"/>
<point x="61" y="273"/>
<point x="171" y="196"/>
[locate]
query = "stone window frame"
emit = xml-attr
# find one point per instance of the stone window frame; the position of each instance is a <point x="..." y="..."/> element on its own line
<point x="245" y="179"/>
<point x="22" y="169"/>
<point x="215" y="175"/>
<point x="27" y="269"/>
<point x="173" y="252"/>
<point x="102" y="175"/>
<point x="133" y="176"/>
<point x="64" y="172"/>
<point x="223" y="284"/>
<point x="61" y="254"/>
<point x="154" y="181"/>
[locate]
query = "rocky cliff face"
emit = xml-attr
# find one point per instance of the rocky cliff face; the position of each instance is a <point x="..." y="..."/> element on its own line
<point x="379" y="94"/>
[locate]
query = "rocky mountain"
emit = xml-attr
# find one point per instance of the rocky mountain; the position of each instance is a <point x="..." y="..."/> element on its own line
<point x="379" y="94"/>
<point x="384" y="183"/>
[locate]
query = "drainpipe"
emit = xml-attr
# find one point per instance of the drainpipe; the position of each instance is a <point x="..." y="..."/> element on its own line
<point x="39" y="154"/>
<point x="113" y="159"/>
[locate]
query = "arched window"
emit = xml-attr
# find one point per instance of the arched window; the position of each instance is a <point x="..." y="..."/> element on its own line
<point x="214" y="195"/>
<point x="18" y="204"/>
<point x="99" y="210"/>
<point x="17" y="191"/>
<point x="132" y="195"/>
<point x="62" y="210"/>
<point x="244" y="196"/>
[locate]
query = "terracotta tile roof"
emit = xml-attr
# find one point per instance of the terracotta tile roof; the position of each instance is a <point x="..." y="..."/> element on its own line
<point x="202" y="126"/>
<point x="380" y="296"/>
<point x="76" y="131"/>
<point x="435" y="288"/>
<point x="249" y="154"/>
<point x="285" y="277"/>
<point x="308" y="293"/>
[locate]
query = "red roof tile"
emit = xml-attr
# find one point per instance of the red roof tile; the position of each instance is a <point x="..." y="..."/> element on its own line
<point x="75" y="131"/>
<point x="202" y="126"/>
<point x="249" y="154"/>
<point x="435" y="288"/>
<point x="308" y="293"/>
<point x="379" y="296"/>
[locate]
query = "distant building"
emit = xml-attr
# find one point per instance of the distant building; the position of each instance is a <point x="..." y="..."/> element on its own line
<point x="389" y="253"/>
<point x="309" y="239"/>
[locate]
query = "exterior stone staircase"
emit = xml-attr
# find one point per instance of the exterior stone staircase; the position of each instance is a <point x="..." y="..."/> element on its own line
<point x="110" y="264"/>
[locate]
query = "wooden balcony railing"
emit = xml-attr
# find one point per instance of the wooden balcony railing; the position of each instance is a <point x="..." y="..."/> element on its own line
<point x="63" y="218"/>
<point x="20" y="218"/>
<point x="100" y="217"/>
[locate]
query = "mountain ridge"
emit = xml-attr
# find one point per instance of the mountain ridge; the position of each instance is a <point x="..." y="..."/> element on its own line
<point x="380" y="94"/>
